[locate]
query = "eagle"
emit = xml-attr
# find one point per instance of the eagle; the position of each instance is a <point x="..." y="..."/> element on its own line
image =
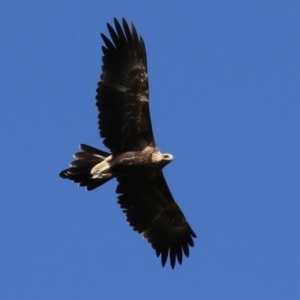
<point x="122" y="99"/>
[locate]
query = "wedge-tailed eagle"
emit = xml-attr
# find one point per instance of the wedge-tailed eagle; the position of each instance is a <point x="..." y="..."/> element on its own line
<point x="134" y="160"/>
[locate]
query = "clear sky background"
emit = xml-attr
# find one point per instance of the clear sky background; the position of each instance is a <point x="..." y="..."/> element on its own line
<point x="224" y="88"/>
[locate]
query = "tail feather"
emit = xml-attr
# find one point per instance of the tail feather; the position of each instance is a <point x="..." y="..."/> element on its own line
<point x="80" y="169"/>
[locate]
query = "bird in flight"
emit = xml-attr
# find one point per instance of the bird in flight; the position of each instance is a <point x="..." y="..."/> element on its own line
<point x="134" y="160"/>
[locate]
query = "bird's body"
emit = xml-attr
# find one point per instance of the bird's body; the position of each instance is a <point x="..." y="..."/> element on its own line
<point x="135" y="161"/>
<point x="131" y="163"/>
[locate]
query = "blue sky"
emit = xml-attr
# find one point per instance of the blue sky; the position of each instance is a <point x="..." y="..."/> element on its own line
<point x="224" y="90"/>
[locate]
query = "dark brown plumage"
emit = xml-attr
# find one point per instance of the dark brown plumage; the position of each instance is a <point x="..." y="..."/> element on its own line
<point x="125" y="126"/>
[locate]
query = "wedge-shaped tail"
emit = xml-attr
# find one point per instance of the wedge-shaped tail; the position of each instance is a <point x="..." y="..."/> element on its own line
<point x="80" y="169"/>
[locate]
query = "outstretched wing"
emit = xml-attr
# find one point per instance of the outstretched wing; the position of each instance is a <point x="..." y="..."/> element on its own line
<point x="151" y="210"/>
<point x="123" y="94"/>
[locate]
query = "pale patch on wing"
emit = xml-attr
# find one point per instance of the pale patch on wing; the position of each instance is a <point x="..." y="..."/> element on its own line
<point x="143" y="98"/>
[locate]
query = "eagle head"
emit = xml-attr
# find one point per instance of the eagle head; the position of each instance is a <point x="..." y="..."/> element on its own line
<point x="161" y="159"/>
<point x="166" y="158"/>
